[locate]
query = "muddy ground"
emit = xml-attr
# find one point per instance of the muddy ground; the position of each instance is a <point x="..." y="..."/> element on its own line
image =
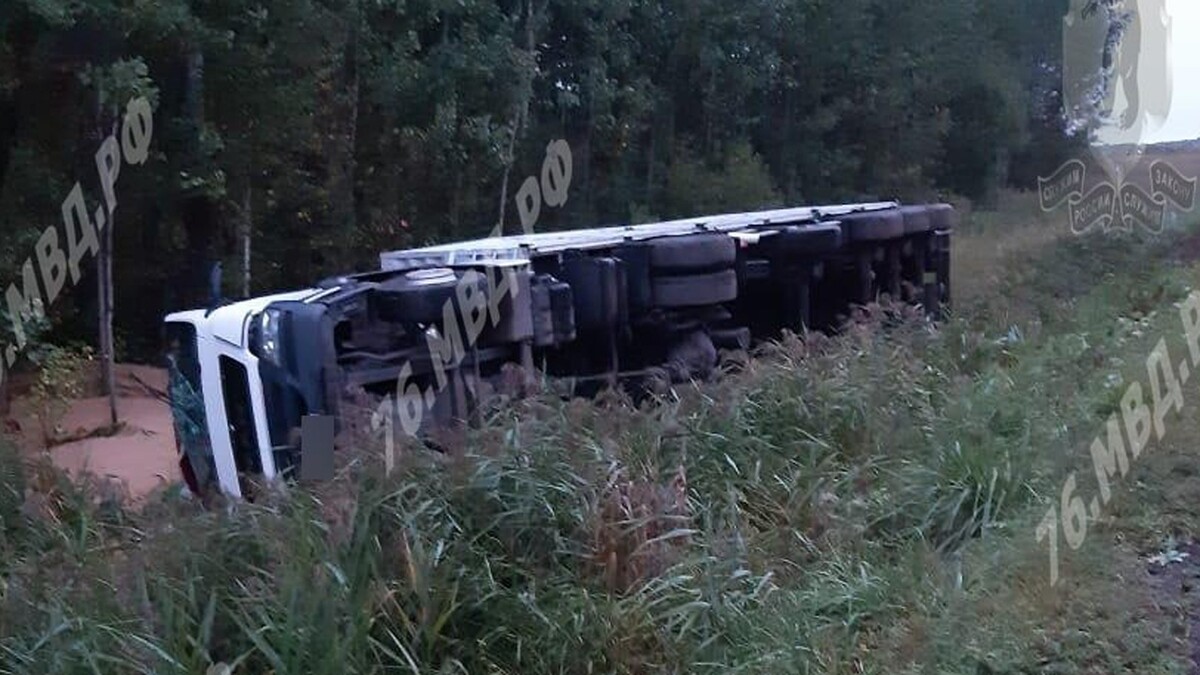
<point x="140" y="454"/>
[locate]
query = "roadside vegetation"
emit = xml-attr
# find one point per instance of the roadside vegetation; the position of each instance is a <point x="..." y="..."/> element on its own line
<point x="856" y="503"/>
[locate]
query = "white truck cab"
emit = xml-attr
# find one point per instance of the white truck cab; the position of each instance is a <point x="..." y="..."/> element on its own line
<point x="220" y="416"/>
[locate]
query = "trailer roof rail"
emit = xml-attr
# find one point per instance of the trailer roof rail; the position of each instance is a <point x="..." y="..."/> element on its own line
<point x="525" y="246"/>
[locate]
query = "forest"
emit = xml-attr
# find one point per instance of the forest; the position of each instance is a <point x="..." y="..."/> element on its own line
<point x="296" y="139"/>
<point x="892" y="495"/>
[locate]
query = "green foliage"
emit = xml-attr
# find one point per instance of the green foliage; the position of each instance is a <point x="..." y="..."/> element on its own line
<point x="35" y="326"/>
<point x="12" y="496"/>
<point x="62" y="377"/>
<point x="118" y="83"/>
<point x="327" y="125"/>
<point x="740" y="182"/>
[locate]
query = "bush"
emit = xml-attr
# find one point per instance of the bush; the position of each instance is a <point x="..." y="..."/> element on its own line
<point x="62" y="377"/>
<point x="737" y="181"/>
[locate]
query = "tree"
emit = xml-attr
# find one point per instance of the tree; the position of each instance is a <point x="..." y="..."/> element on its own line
<point x="113" y="86"/>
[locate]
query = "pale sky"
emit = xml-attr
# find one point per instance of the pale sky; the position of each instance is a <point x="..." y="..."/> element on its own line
<point x="1183" y="121"/>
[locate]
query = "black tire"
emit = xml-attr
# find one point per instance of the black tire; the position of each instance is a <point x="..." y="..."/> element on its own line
<point x="692" y="253"/>
<point x="943" y="217"/>
<point x="917" y="219"/>
<point x="697" y="290"/>
<point x="419" y="296"/>
<point x="693" y="356"/>
<point x="804" y="241"/>
<point x="872" y="226"/>
<point x="738" y="339"/>
<point x="595" y="290"/>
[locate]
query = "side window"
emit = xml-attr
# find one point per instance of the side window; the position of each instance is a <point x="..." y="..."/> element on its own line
<point x="235" y="387"/>
<point x="187" y="408"/>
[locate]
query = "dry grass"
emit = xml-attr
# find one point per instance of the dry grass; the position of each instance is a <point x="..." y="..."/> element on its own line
<point x="993" y="246"/>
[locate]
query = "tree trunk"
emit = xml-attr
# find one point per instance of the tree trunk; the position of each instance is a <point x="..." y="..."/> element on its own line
<point x="4" y="375"/>
<point x="585" y="165"/>
<point x="650" y="146"/>
<point x="198" y="213"/>
<point x="508" y="162"/>
<point x="521" y="116"/>
<point x="348" y="112"/>
<point x="105" y="288"/>
<point x="787" y="162"/>
<point x="247" y="231"/>
<point x="456" y="199"/>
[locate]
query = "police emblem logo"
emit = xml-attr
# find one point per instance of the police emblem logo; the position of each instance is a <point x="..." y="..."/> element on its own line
<point x="1117" y="90"/>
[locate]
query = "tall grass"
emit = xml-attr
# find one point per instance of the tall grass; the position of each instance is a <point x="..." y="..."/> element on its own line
<point x="786" y="518"/>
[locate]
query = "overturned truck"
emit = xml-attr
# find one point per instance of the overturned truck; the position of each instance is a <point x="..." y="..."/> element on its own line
<point x="434" y="329"/>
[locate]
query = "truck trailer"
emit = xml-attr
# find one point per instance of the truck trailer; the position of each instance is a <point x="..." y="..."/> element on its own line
<point x="434" y="330"/>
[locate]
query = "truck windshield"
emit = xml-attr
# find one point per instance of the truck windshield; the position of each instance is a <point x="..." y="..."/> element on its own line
<point x="187" y="407"/>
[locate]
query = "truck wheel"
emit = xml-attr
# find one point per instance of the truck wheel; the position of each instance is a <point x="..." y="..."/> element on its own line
<point x="692" y="356"/>
<point x="872" y="226"/>
<point x="916" y="219"/>
<point x="943" y="217"/>
<point x="419" y="296"/>
<point x="692" y="253"/>
<point x="595" y="291"/>
<point x="695" y="290"/>
<point x="807" y="241"/>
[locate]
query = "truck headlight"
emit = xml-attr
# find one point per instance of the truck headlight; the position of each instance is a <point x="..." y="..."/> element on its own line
<point x="267" y="339"/>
